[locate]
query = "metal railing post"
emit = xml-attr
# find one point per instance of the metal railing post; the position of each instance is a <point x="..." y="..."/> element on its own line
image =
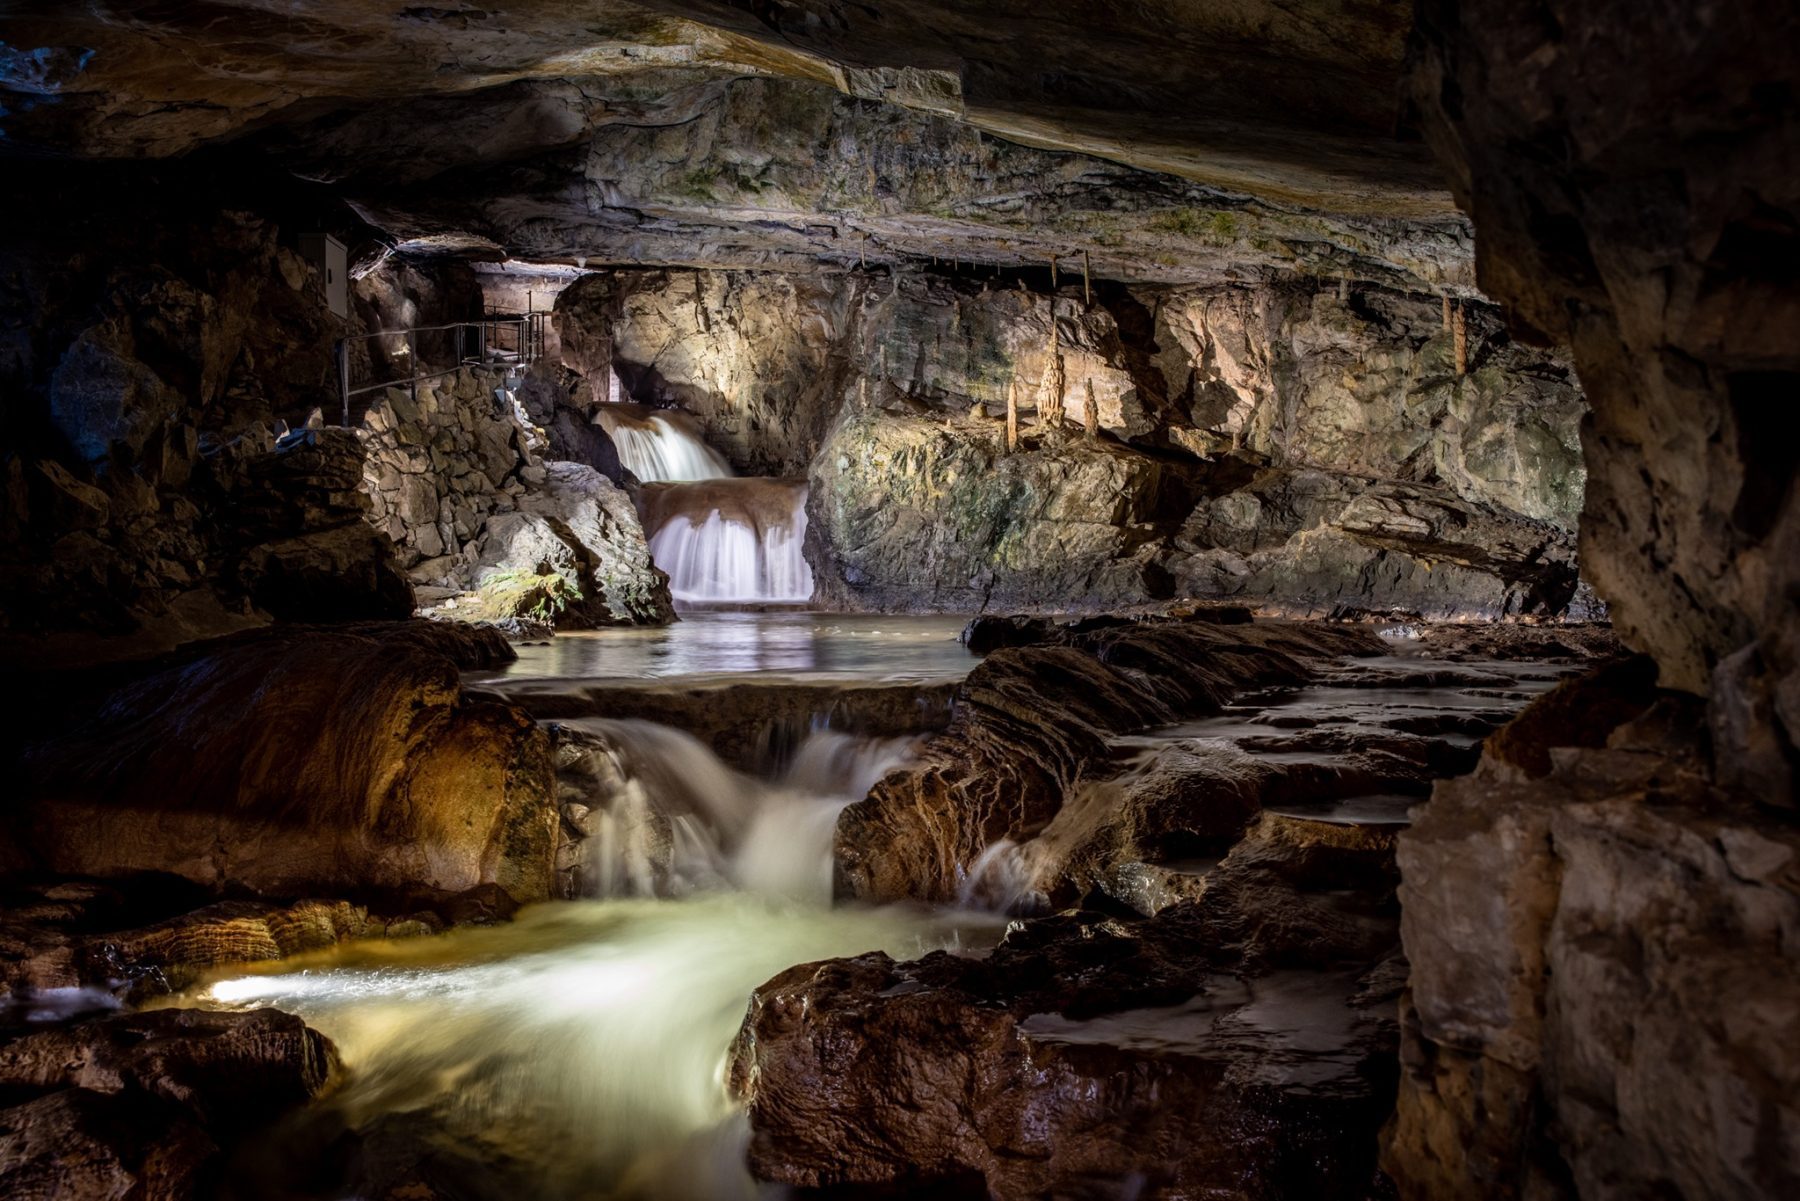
<point x="529" y="341"/>
<point x="343" y="366"/>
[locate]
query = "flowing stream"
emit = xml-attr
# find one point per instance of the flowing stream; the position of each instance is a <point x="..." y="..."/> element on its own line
<point x="579" y="1052"/>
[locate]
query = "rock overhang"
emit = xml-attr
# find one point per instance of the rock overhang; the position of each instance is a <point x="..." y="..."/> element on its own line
<point x="1168" y="143"/>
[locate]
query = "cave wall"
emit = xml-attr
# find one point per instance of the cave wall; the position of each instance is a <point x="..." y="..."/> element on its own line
<point x="1611" y="1013"/>
<point x="149" y="374"/>
<point x="757" y="358"/>
<point x="475" y="500"/>
<point x="1279" y="443"/>
<point x="171" y="467"/>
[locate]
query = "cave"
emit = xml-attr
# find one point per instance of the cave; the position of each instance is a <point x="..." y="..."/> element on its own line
<point x="683" y="599"/>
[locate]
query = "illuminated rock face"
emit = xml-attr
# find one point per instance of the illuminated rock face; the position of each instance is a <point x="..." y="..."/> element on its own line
<point x="296" y="762"/>
<point x="1272" y="444"/>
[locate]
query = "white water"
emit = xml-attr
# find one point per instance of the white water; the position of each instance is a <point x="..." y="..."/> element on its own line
<point x="579" y="1052"/>
<point x="739" y="542"/>
<point x="660" y="447"/>
<point x="671" y="819"/>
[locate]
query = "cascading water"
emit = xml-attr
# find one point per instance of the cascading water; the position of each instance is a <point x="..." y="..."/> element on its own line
<point x="730" y="542"/>
<point x="724" y="540"/>
<point x="668" y="818"/>
<point x="578" y="1052"/>
<point x="660" y="446"/>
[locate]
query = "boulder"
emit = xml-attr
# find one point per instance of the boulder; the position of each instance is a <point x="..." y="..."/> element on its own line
<point x="147" y="1105"/>
<point x="573" y="554"/>
<point x="1241" y="1044"/>
<point x="298" y="761"/>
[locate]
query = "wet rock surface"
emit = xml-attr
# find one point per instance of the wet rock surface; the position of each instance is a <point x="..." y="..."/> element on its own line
<point x="1028" y="722"/>
<point x="77" y="945"/>
<point x="1240" y="1041"/>
<point x="147" y="1105"/>
<point x="1217" y="1011"/>
<point x="746" y="725"/>
<point x="346" y="762"/>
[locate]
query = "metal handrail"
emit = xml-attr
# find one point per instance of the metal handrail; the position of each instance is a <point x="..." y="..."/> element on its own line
<point x="528" y="348"/>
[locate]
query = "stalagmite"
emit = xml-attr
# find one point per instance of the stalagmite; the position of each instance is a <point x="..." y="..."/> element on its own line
<point x="1012" y="414"/>
<point x="1460" y="328"/>
<point x="1446" y="314"/>
<point x="1090" y="414"/>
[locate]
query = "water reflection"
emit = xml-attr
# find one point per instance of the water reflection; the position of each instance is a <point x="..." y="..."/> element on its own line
<point x="757" y="644"/>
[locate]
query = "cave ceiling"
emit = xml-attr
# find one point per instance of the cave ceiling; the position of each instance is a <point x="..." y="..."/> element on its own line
<point x="1171" y="141"/>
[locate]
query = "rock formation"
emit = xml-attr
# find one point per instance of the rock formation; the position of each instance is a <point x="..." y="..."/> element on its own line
<point x="297" y="762"/>
<point x="459" y="483"/>
<point x="1274" y="444"/>
<point x="1316" y="309"/>
<point x="1028" y="723"/>
<point x="147" y="1105"/>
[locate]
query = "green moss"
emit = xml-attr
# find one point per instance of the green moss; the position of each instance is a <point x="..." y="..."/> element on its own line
<point x="696" y="185"/>
<point x="1189" y="223"/>
<point x="526" y="594"/>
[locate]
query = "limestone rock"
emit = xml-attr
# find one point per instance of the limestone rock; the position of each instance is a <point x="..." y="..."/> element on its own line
<point x="1695" y="553"/>
<point x="146" y="1105"/>
<point x="1027" y="723"/>
<point x="1084" y="1053"/>
<point x="912" y="514"/>
<point x="335" y="763"/>
<point x="574" y="553"/>
<point x="1555" y="1022"/>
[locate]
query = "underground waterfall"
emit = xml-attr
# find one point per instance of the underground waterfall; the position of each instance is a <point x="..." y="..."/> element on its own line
<point x="723" y="539"/>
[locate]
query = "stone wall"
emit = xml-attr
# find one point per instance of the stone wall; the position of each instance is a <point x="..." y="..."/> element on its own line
<point x="460" y="483"/>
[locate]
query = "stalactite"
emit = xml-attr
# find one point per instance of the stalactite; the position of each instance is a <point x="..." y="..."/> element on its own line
<point x="1446" y="313"/>
<point x="862" y="253"/>
<point x="1090" y="413"/>
<point x="1087" y="282"/>
<point x="1460" y="329"/>
<point x="1344" y="287"/>
<point x="1053" y="273"/>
